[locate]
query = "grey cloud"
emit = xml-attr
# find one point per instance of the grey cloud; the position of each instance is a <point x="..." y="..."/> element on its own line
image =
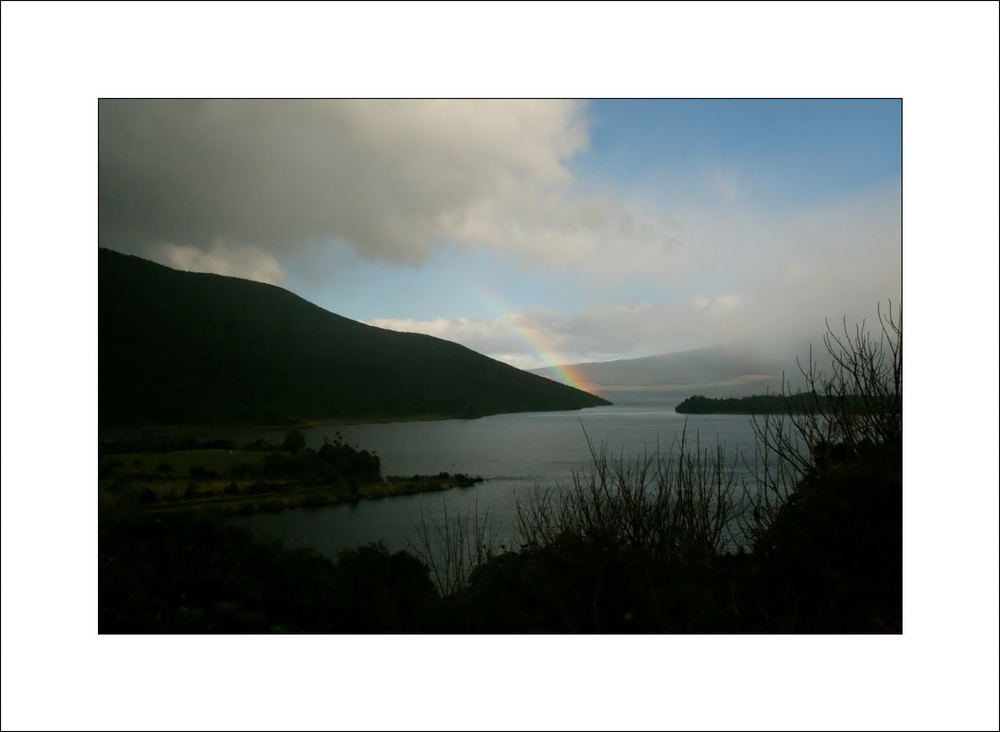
<point x="393" y="179"/>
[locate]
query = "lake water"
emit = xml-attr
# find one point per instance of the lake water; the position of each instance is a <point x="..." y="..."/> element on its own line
<point x="515" y="453"/>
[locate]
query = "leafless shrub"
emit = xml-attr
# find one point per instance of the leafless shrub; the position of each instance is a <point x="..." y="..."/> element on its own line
<point x="453" y="546"/>
<point x="658" y="506"/>
<point x="855" y="402"/>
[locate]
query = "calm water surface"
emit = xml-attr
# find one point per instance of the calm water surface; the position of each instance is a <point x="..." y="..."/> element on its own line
<point x="515" y="453"/>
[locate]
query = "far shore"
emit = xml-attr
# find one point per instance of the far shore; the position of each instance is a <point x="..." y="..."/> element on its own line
<point x="204" y="431"/>
<point x="161" y="431"/>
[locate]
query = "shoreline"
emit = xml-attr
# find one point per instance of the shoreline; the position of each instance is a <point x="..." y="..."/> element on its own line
<point x="119" y="433"/>
<point x="203" y="431"/>
<point x="288" y="496"/>
<point x="299" y="497"/>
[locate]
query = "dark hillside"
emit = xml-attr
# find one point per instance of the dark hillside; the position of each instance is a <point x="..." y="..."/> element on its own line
<point x="186" y="348"/>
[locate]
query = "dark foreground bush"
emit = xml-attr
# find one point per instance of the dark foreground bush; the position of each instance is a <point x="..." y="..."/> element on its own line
<point x="164" y="574"/>
<point x="832" y="561"/>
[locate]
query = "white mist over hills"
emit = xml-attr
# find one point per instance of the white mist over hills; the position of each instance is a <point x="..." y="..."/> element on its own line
<point x="735" y="369"/>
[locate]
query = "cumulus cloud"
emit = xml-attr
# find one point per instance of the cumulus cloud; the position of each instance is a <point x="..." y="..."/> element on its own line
<point x="394" y="179"/>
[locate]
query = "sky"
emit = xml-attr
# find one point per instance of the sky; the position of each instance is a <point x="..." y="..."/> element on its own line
<point x="535" y="231"/>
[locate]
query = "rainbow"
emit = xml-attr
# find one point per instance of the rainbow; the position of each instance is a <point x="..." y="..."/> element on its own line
<point x="539" y="343"/>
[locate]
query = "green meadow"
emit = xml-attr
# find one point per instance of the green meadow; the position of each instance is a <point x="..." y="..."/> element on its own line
<point x="225" y="463"/>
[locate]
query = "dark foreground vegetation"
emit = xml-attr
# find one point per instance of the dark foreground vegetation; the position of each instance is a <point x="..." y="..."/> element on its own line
<point x="658" y="544"/>
<point x="173" y="574"/>
<point x="183" y="348"/>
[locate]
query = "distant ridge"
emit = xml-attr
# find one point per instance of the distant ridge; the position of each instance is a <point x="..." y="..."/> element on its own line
<point x="189" y="348"/>
<point x="722" y="369"/>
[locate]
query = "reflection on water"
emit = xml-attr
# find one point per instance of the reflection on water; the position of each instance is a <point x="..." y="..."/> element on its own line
<point x="515" y="453"/>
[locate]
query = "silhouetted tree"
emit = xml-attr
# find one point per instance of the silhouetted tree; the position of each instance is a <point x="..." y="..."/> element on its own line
<point x="294" y="441"/>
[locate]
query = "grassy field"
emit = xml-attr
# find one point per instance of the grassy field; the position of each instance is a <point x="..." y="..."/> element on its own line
<point x="183" y="475"/>
<point x="236" y="481"/>
<point x="179" y="464"/>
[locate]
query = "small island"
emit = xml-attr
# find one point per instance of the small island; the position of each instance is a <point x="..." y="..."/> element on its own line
<point x="217" y="477"/>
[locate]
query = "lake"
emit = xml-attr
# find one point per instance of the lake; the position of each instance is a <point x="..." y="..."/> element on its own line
<point x="515" y="453"/>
